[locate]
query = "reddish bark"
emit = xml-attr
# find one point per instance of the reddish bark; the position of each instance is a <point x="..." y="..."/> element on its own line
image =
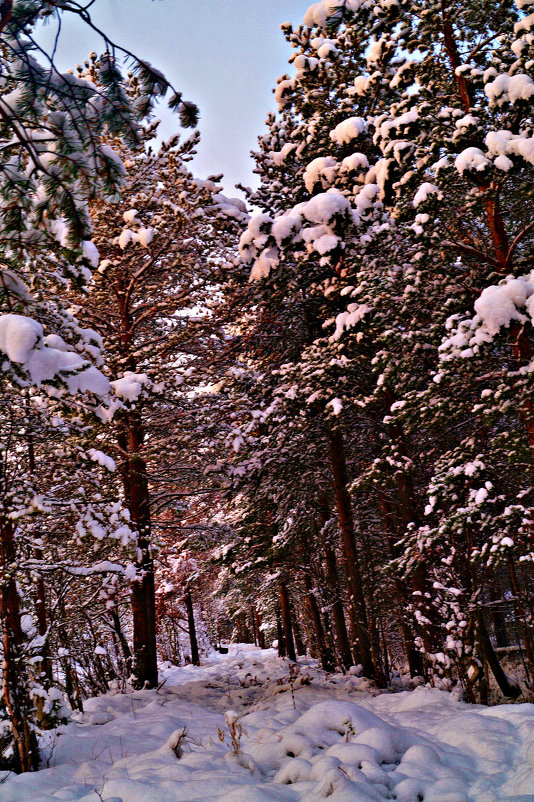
<point x="143" y="589"/>
<point x="357" y="607"/>
<point x="333" y="583"/>
<point x="454" y="56"/>
<point x="497" y="227"/>
<point x="15" y="691"/>
<point x="325" y="654"/>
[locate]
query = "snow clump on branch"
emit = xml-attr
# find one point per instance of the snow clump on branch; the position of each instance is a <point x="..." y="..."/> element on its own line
<point x="38" y="360"/>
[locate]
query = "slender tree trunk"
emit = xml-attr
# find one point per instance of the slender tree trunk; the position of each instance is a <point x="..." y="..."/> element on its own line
<point x="126" y="652"/>
<point x="143" y="596"/>
<point x="508" y="688"/>
<point x="323" y="649"/>
<point x="261" y="634"/>
<point x="359" y="626"/>
<point x="334" y="587"/>
<point x="254" y="626"/>
<point x="406" y="510"/>
<point x="246" y="636"/>
<point x="413" y="655"/>
<point x="454" y="57"/>
<point x="15" y="688"/>
<point x="195" y="659"/>
<point x="42" y="671"/>
<point x="286" y="621"/>
<point x="325" y="655"/>
<point x="485" y="646"/>
<point x="497" y="616"/>
<point x="521" y="615"/>
<point x="299" y="642"/>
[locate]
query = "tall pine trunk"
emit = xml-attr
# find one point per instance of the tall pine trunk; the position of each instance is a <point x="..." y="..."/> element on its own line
<point x="325" y="654"/>
<point x="143" y="596"/>
<point x="413" y="654"/>
<point x="42" y="671"/>
<point x="359" y="625"/>
<point x="334" y="587"/>
<point x="15" y="690"/>
<point x="323" y="648"/>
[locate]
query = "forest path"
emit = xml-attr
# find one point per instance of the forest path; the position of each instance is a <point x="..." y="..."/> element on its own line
<point x="303" y="737"/>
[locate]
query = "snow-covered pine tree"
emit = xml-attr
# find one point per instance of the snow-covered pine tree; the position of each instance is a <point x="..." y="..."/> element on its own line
<point x="53" y="161"/>
<point x="438" y="121"/>
<point x="161" y="249"/>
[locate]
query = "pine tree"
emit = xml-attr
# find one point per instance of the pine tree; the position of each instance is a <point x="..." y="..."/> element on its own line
<point x="407" y="217"/>
<point x="53" y="162"/>
<point x="149" y="300"/>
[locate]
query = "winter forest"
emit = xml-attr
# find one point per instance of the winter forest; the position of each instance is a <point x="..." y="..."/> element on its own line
<point x="267" y="462"/>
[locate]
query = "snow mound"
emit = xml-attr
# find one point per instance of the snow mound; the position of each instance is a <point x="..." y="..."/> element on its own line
<point x="296" y="736"/>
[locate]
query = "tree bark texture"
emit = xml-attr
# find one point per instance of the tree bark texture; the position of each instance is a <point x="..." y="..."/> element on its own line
<point x="195" y="659"/>
<point x="334" y="587"/>
<point x="357" y="607"/>
<point x="15" y="688"/>
<point x="134" y="474"/>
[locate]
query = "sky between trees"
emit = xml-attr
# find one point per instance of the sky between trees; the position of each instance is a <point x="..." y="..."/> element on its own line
<point x="224" y="54"/>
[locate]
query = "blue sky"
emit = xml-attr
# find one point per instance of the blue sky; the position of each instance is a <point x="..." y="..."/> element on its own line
<point x="224" y="55"/>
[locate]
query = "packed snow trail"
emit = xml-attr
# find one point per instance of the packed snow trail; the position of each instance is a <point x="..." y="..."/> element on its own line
<point x="244" y="728"/>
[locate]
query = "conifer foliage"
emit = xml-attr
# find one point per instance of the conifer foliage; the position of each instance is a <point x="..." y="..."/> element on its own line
<point x="312" y="424"/>
<point x="400" y="242"/>
<point x="53" y="161"/>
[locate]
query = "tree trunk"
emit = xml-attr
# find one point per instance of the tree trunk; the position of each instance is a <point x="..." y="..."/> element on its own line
<point x="143" y="596"/>
<point x="15" y="682"/>
<point x="521" y="615"/>
<point x="462" y="85"/>
<point x="333" y="584"/>
<point x="195" y="659"/>
<point x="42" y="669"/>
<point x="127" y="654"/>
<point x="252" y="615"/>
<point x="413" y="655"/>
<point x="325" y="655"/>
<point x="357" y="607"/>
<point x="508" y="688"/>
<point x="299" y="642"/>
<point x="286" y="621"/>
<point x="497" y="615"/>
<point x="261" y="633"/>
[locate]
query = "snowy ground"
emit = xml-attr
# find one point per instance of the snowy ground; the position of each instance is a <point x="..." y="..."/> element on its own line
<point x="323" y="739"/>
